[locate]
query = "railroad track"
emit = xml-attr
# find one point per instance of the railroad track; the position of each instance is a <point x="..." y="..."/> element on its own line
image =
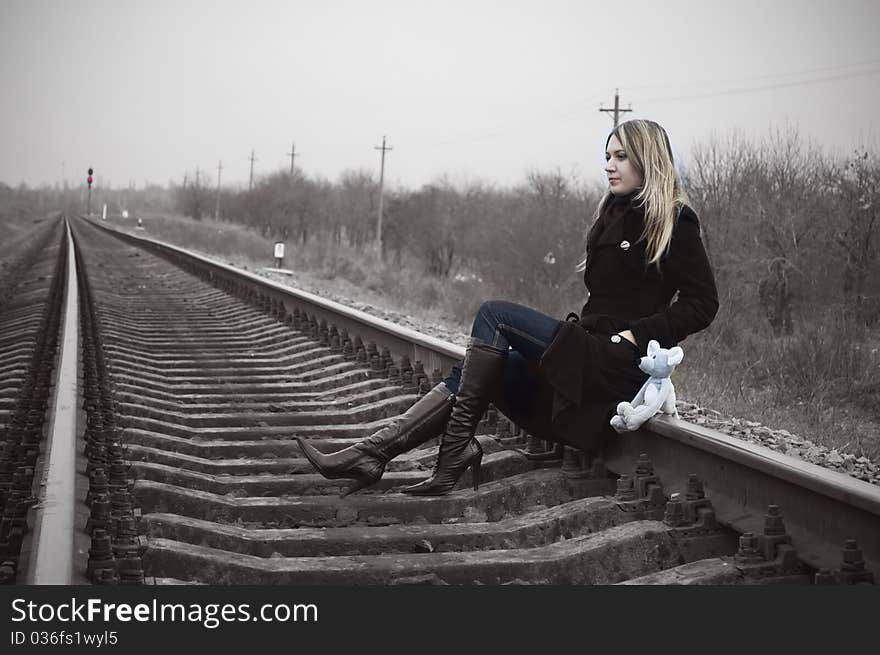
<point x="177" y="463"/>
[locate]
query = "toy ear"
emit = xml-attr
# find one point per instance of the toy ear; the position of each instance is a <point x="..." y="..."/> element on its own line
<point x="676" y="354"/>
<point x="653" y="347"/>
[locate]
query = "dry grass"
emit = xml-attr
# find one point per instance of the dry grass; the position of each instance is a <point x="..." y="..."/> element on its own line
<point x="18" y="230"/>
<point x="819" y="383"/>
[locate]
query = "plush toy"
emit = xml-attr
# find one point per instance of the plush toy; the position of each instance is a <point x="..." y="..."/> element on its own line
<point x="656" y="395"/>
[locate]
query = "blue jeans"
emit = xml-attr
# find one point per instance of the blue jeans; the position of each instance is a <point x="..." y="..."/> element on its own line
<point x="526" y="334"/>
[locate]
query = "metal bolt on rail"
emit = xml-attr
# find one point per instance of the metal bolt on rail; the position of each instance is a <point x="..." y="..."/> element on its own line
<point x="99" y="518"/>
<point x="649" y="488"/>
<point x="7" y="572"/>
<point x="406" y="381"/>
<point x="674" y="513"/>
<point x="120" y="502"/>
<point x="131" y="570"/>
<point x="97" y="458"/>
<point x="348" y="352"/>
<point x="695" y="490"/>
<point x="436" y="377"/>
<point x="697" y="508"/>
<point x="825" y="577"/>
<point x="626" y="489"/>
<point x="22" y="479"/>
<point x="104" y="576"/>
<point x="419" y="375"/>
<point x="533" y="445"/>
<point x="118" y="472"/>
<point x="852" y="569"/>
<point x="749" y="551"/>
<point x="778" y="556"/>
<point x="387" y="359"/>
<point x="584" y="475"/>
<point x="644" y="465"/>
<point x="100" y="553"/>
<point x="125" y="544"/>
<point x="98" y="484"/>
<point x="424" y="386"/>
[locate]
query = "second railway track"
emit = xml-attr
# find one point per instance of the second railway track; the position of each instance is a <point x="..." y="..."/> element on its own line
<point x="198" y="378"/>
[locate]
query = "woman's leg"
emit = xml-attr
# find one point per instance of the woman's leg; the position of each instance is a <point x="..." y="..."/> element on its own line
<point x="502" y="325"/>
<point x="498" y="327"/>
<point x="516" y="326"/>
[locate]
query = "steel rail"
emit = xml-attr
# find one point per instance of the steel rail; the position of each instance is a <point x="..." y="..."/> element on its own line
<point x="821" y="508"/>
<point x="52" y="558"/>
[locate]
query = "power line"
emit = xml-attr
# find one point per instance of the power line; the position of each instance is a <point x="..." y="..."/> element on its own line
<point x="766" y="87"/>
<point x="577" y="114"/>
<point x="870" y="62"/>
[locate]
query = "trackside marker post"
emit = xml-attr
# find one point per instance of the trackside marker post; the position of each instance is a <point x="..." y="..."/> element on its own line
<point x="279" y="253"/>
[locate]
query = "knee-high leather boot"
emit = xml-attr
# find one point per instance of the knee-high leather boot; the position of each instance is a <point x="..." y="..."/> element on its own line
<point x="483" y="366"/>
<point x="365" y="461"/>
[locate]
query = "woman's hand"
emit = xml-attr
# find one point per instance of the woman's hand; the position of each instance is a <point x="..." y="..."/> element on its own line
<point x="628" y="335"/>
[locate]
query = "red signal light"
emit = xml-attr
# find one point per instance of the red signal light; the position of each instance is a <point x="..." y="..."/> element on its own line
<point x="90" y="179"/>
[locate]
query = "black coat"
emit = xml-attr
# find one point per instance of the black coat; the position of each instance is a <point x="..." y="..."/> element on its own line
<point x="584" y="372"/>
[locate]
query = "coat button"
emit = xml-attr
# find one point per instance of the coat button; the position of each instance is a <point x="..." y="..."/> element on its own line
<point x="624" y="245"/>
<point x="615" y="338"/>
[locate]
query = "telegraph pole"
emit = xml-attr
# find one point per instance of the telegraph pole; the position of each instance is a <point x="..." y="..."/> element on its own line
<point x="617" y="110"/>
<point x="383" y="148"/>
<point x="251" y="183"/>
<point x="217" y="206"/>
<point x="292" y="154"/>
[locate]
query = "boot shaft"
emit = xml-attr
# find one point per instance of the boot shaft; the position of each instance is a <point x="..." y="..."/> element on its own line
<point x="422" y="422"/>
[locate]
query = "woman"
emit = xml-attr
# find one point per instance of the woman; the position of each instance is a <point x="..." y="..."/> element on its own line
<point x="561" y="380"/>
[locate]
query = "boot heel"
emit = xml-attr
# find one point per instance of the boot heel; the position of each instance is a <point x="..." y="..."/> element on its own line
<point x="358" y="484"/>
<point x="475" y="470"/>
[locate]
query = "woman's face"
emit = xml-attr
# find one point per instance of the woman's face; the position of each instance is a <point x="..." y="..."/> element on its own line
<point x="622" y="175"/>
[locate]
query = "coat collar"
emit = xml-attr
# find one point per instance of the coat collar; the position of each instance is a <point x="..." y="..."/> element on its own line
<point x="620" y="221"/>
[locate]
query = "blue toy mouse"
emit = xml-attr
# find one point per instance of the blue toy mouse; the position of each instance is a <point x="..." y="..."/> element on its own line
<point x="656" y="395"/>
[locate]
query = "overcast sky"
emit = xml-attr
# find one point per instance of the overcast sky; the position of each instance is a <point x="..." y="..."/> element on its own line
<point x="477" y="90"/>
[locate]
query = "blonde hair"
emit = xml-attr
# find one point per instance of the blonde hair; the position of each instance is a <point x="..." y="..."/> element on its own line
<point x="647" y="146"/>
